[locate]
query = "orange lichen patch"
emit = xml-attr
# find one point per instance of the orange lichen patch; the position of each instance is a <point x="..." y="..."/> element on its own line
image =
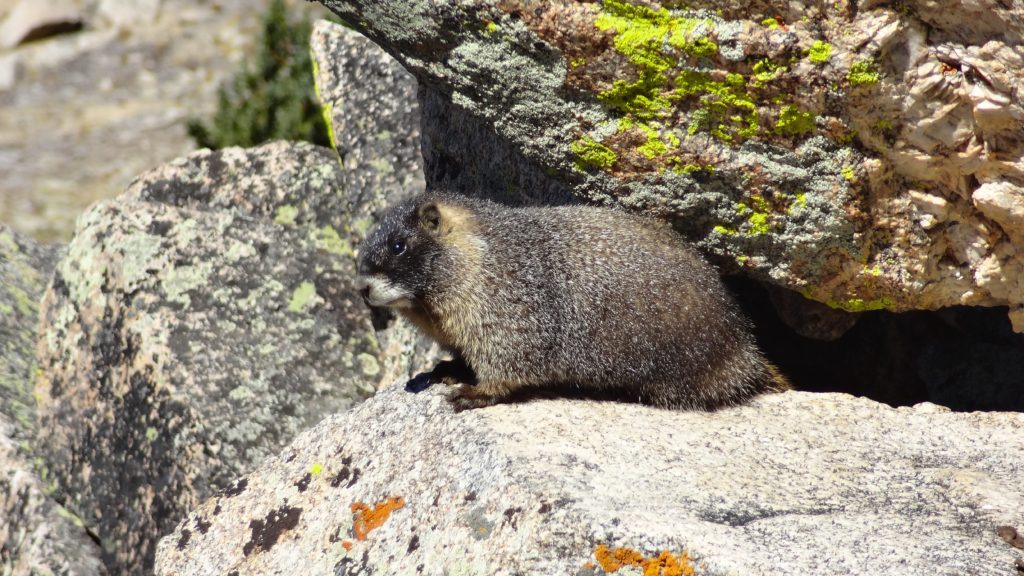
<point x="665" y="564"/>
<point x="613" y="559"/>
<point x="346" y="544"/>
<point x="368" y="519"/>
<point x="668" y="564"/>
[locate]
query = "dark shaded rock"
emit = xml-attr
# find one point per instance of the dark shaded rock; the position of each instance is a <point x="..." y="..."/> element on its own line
<point x="978" y="365"/>
<point x="463" y="154"/>
<point x="964" y="358"/>
<point x="37" y="536"/>
<point x="185" y="338"/>
<point x="809" y="318"/>
<point x="25" y="268"/>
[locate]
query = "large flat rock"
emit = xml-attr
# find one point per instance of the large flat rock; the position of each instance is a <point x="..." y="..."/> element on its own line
<point x="795" y="483"/>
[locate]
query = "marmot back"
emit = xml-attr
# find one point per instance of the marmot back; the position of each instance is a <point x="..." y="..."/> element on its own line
<point x="588" y="297"/>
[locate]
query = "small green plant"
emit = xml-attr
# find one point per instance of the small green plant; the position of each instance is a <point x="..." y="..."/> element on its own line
<point x="272" y="96"/>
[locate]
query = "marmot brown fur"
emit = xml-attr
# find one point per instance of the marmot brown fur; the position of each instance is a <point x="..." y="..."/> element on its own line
<point x="587" y="297"/>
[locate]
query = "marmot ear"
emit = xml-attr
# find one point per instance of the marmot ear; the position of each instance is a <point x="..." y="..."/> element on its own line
<point x="429" y="216"/>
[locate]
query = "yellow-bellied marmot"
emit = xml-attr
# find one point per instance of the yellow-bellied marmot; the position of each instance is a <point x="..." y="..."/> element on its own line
<point x="588" y="297"/>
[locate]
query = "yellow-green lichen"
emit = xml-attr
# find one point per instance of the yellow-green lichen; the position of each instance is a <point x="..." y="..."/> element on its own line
<point x="316" y="469"/>
<point x="723" y="231"/>
<point x="861" y="305"/>
<point x="26" y="306"/>
<point x="701" y="48"/>
<point x="799" y="201"/>
<point x="758" y="217"/>
<point x="758" y="224"/>
<point x="71" y="517"/>
<point x="689" y="168"/>
<point x="238" y="251"/>
<point x="302" y="297"/>
<point x="792" y="121"/>
<point x="368" y="364"/>
<point x="820" y="52"/>
<point x="765" y="71"/>
<point x="678" y="83"/>
<point x="325" y="107"/>
<point x="875" y="270"/>
<point x="639" y="33"/>
<point x="592" y="154"/>
<point x="863" y="73"/>
<point x="151" y="434"/>
<point x="724" y="110"/>
<point x="848" y="173"/>
<point x="362" y="225"/>
<point x="327" y="239"/>
<point x="285" y="215"/>
<point x="654" y="146"/>
<point x="181" y="280"/>
<point x="770" y="23"/>
<point x="642" y="98"/>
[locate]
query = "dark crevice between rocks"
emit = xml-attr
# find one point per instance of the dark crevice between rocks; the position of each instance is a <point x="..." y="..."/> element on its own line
<point x="964" y="358"/>
<point x="51" y="29"/>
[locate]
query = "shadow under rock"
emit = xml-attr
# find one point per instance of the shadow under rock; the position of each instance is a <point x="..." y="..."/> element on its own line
<point x="964" y="358"/>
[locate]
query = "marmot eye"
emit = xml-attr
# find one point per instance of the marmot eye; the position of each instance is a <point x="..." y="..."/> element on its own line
<point x="398" y="247"/>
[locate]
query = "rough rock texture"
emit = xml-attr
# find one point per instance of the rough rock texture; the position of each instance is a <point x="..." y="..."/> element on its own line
<point x="37" y="536"/>
<point x="369" y="101"/>
<point x="462" y="153"/>
<point x="25" y="268"/>
<point x="795" y="483"/>
<point x="866" y="155"/>
<point x="83" y="114"/>
<point x="196" y="325"/>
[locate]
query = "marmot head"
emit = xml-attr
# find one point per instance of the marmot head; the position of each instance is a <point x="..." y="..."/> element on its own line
<point x="401" y="258"/>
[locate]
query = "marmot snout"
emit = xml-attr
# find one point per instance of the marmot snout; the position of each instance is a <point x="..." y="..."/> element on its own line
<point x="588" y="297"/>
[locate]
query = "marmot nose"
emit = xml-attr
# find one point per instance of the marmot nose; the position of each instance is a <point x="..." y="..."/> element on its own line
<point x="363" y="287"/>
